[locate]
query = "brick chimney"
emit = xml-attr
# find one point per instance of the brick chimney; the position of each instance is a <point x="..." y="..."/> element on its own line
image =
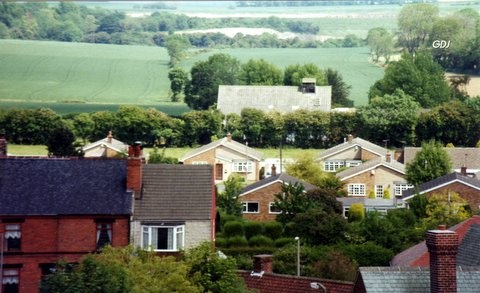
<point x="463" y="170"/>
<point x="388" y="157"/>
<point x="263" y="263"/>
<point x="442" y="245"/>
<point x="350" y="138"/>
<point x="134" y="169"/>
<point x="3" y="146"/>
<point x="229" y="137"/>
<point x="109" y="137"/>
<point x="274" y="170"/>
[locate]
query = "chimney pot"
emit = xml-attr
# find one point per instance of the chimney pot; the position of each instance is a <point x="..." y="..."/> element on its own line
<point x="350" y="138"/>
<point x="274" y="170"/>
<point x="229" y="137"/>
<point x="388" y="157"/>
<point x="109" y="137"/>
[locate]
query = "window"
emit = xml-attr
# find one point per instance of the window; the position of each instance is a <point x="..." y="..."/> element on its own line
<point x="332" y="166"/>
<point x="10" y="280"/>
<point x="379" y="191"/>
<point x="400" y="187"/>
<point x="163" y="238"/>
<point x="242" y="166"/>
<point x="250" y="207"/>
<point x="13" y="237"/>
<point x="272" y="209"/>
<point x="199" y="163"/>
<point x="345" y="212"/>
<point x="104" y="234"/>
<point x="356" y="189"/>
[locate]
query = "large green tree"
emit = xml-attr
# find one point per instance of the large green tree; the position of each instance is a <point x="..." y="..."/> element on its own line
<point x="380" y="41"/>
<point x="340" y="89"/>
<point x="294" y="74"/>
<point x="178" y="79"/>
<point x="176" y="45"/>
<point x="431" y="162"/>
<point x="202" y="90"/>
<point x="391" y="117"/>
<point x="416" y="75"/>
<point x="415" y="23"/>
<point x="260" y="72"/>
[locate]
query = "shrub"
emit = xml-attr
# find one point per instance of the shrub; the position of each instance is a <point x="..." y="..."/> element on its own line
<point x="273" y="230"/>
<point x="220" y="242"/>
<point x="252" y="229"/>
<point x="225" y="218"/>
<point x="371" y="194"/>
<point x="386" y="194"/>
<point x="233" y="228"/>
<point x="281" y="242"/>
<point x="260" y="240"/>
<point x="356" y="212"/>
<point x="290" y="230"/>
<point x="237" y="241"/>
<point x="368" y="254"/>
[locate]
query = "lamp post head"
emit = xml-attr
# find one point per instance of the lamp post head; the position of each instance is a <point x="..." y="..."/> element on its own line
<point x="297" y="238"/>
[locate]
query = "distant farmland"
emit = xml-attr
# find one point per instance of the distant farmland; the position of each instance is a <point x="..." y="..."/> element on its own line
<point x="77" y="77"/>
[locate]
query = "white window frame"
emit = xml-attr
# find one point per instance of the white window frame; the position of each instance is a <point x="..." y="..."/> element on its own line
<point x="199" y="163"/>
<point x="333" y="165"/>
<point x="270" y="205"/>
<point x="353" y="163"/>
<point x="245" y="205"/>
<point x="345" y="212"/>
<point x="177" y="237"/>
<point x="356" y="189"/>
<point x="379" y="191"/>
<point x="400" y="187"/>
<point x="242" y="166"/>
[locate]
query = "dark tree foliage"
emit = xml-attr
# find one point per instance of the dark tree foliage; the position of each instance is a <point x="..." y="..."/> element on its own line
<point x="340" y="90"/>
<point x="319" y="227"/>
<point x="60" y="143"/>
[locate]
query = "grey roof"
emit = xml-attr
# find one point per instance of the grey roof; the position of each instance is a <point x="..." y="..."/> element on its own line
<point x="357" y="141"/>
<point x="367" y="202"/>
<point x="115" y="144"/>
<point x="234" y="98"/>
<point x="175" y="193"/>
<point x="457" y="156"/>
<point x="468" y="251"/>
<point x="283" y="177"/>
<point x="371" y="164"/>
<point x="231" y="144"/>
<point x="414" y="279"/>
<point x="46" y="186"/>
<point x="441" y="181"/>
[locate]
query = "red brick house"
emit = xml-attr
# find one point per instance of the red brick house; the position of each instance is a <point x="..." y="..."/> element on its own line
<point x="257" y="198"/>
<point x="58" y="209"/>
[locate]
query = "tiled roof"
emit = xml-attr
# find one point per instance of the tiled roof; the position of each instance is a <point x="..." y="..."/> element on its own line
<point x="469" y="236"/>
<point x="232" y="99"/>
<point x="114" y="144"/>
<point x="357" y="141"/>
<point x="369" y="165"/>
<point x="233" y="145"/>
<point x="367" y="202"/>
<point x="175" y="192"/>
<point x="283" y="177"/>
<point x="439" y="182"/>
<point x="45" y="186"/>
<point x="413" y="279"/>
<point x="269" y="283"/>
<point x="457" y="155"/>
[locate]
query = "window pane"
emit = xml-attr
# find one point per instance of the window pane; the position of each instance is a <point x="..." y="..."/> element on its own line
<point x="169" y="238"/>
<point x="253" y="207"/>
<point x="179" y="238"/>
<point x="154" y="238"/>
<point x="145" y="241"/>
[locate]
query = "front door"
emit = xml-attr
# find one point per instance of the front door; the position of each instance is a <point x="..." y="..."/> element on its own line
<point x="218" y="171"/>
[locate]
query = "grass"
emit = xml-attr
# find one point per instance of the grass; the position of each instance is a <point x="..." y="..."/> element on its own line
<point x="41" y="150"/>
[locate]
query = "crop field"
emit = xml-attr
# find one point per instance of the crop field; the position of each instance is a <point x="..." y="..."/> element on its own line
<point x="352" y="63"/>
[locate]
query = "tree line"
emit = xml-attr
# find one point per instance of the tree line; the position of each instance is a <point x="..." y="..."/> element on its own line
<point x="70" y="22"/>
<point x="394" y="120"/>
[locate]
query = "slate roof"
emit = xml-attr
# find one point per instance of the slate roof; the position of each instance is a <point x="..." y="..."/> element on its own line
<point x="370" y="165"/>
<point x="278" y="283"/>
<point x="413" y="279"/>
<point x="367" y="202"/>
<point x="357" y="141"/>
<point x="234" y="98"/>
<point x="469" y="236"/>
<point x="46" y="186"/>
<point x="440" y="182"/>
<point x="233" y="145"/>
<point x="283" y="177"/>
<point x="176" y="193"/>
<point x="457" y="155"/>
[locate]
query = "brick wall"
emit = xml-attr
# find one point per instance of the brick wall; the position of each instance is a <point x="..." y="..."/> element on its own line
<point x="381" y="176"/>
<point x="442" y="246"/>
<point x="367" y="156"/>
<point x="263" y="196"/>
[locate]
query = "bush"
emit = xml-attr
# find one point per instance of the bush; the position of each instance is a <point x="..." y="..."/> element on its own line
<point x="356" y="212"/>
<point x="368" y="254"/>
<point x="234" y="228"/>
<point x="252" y="229"/>
<point x="386" y="194"/>
<point x="290" y="230"/>
<point x="225" y="218"/>
<point x="371" y="194"/>
<point x="260" y="240"/>
<point x="281" y="242"/>
<point x="237" y="241"/>
<point x="273" y="230"/>
<point x="220" y="242"/>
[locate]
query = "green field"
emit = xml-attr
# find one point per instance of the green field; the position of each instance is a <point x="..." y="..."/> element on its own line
<point x="77" y="77"/>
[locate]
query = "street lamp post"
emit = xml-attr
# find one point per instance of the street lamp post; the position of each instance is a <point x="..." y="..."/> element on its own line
<point x="298" y="255"/>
